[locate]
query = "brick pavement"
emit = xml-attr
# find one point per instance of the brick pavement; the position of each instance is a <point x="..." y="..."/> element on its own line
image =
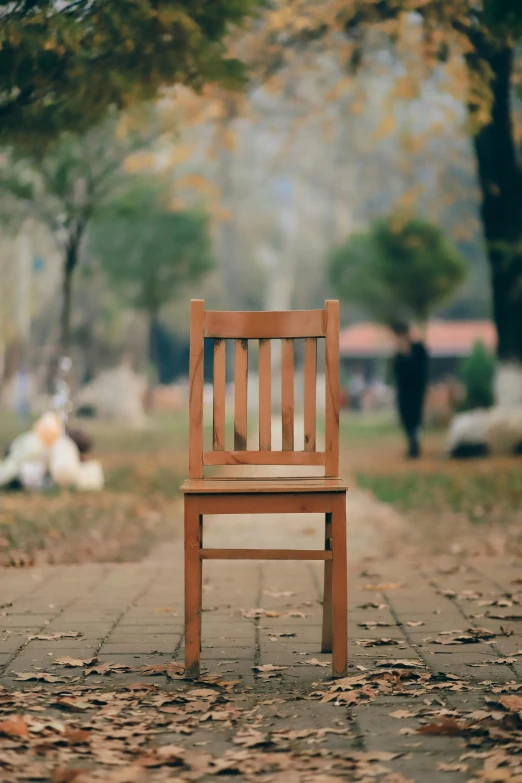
<point x="135" y="610"/>
<point x="132" y="613"/>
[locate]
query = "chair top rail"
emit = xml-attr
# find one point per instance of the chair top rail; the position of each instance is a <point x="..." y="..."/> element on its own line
<point x="262" y="325"/>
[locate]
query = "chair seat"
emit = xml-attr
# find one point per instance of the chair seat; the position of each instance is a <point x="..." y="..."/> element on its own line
<point x="215" y="486"/>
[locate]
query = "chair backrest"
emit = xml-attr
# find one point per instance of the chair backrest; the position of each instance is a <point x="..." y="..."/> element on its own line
<point x="264" y="327"/>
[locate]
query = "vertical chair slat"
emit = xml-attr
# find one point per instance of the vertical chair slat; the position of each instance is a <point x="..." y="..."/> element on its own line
<point x="265" y="396"/>
<point x="241" y="380"/>
<point x="332" y="389"/>
<point x="287" y="393"/>
<point x="310" y="391"/>
<point x="220" y="382"/>
<point x="197" y="315"/>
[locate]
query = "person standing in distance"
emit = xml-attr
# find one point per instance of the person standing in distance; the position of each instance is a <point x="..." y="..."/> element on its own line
<point x="410" y="367"/>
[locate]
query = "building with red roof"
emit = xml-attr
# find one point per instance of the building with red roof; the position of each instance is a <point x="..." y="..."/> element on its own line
<point x="366" y="347"/>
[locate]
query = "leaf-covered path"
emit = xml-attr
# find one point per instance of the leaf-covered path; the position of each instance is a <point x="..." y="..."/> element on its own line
<point x="93" y="689"/>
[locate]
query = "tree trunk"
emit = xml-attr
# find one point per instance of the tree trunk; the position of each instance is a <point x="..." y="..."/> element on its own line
<point x="153" y="359"/>
<point x="500" y="179"/>
<point x="70" y="263"/>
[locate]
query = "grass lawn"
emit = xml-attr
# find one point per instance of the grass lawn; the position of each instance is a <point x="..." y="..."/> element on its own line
<point x="140" y="505"/>
<point x="438" y="495"/>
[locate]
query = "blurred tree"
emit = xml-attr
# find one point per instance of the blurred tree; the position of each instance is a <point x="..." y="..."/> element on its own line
<point x="149" y="251"/>
<point x="63" y="64"/>
<point x="401" y="269"/>
<point x="468" y="50"/>
<point x="64" y="187"/>
<point x="477" y="373"/>
<point x="477" y="43"/>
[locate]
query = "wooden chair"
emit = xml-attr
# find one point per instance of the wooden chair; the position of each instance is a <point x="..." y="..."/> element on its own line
<point x="221" y="495"/>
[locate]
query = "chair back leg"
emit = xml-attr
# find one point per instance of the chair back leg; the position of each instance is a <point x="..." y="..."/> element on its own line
<point x="326" y="638"/>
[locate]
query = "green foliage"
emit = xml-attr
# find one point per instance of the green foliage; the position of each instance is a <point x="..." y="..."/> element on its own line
<point x="147" y="250"/>
<point x="398" y="270"/>
<point x="63" y="64"/>
<point x="477" y="373"/>
<point x="64" y="187"/>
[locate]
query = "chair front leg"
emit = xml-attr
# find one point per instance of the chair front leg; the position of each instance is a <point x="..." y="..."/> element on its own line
<point x="326" y="639"/>
<point x="193" y="588"/>
<point x="339" y="588"/>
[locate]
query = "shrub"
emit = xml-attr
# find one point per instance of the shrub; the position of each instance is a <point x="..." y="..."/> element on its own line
<point x="477" y="374"/>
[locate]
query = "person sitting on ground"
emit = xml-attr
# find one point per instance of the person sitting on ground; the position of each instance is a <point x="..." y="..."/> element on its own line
<point x="411" y="378"/>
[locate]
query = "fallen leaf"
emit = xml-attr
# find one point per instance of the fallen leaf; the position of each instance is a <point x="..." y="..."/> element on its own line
<point x="415" y="623"/>
<point x="384" y="587"/>
<point x="65" y="660"/>
<point x="400" y="663"/>
<point x="66" y="774"/>
<point x="71" y="704"/>
<point x="452" y="766"/>
<point x="269" y="667"/>
<point x="446" y="726"/>
<point x="14" y="727"/>
<point x="374" y="624"/>
<point x="315" y="662"/>
<point x="77" y="736"/>
<point x="42" y="676"/>
<point x="250" y="738"/>
<point x="107" y="668"/>
<point x="512" y="703"/>
<point x="172" y="670"/>
<point x="400" y="714"/>
<point x="51" y="637"/>
<point x="383" y="641"/>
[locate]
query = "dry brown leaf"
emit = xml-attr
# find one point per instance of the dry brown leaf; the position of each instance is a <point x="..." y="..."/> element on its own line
<point x="512" y="703"/>
<point x="14" y="727"/>
<point x="382" y="642"/>
<point x="374" y="624"/>
<point x="446" y="726"/>
<point x="452" y="766"/>
<point x="384" y="587"/>
<point x="65" y="660"/>
<point x="315" y="662"/>
<point x="77" y="736"/>
<point x="172" y="670"/>
<point x="41" y="676"/>
<point x="51" y="637"/>
<point x="400" y="714"/>
<point x="254" y="614"/>
<point x="415" y="623"/>
<point x="71" y="704"/>
<point x="471" y="636"/>
<point x="66" y="774"/>
<point x="400" y="663"/>
<point x="107" y="668"/>
<point x="250" y="738"/>
<point x="269" y="667"/>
